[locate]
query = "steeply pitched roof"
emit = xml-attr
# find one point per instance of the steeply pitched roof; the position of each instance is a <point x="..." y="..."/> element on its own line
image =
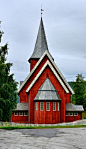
<point x="72" y="107"/>
<point x="55" y="73"/>
<point x="41" y="43"/>
<point x="47" y="85"/>
<point x="47" y="91"/>
<point x="62" y="79"/>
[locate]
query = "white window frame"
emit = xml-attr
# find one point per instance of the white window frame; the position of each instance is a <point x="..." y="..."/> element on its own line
<point x="72" y="113"/>
<point x="75" y="114"/>
<point x="53" y="106"/>
<point x="36" y="106"/>
<point x="58" y="106"/>
<point x="40" y="106"/>
<point x="16" y="114"/>
<point x="25" y="114"/>
<point x="47" y="106"/>
<point x="20" y="114"/>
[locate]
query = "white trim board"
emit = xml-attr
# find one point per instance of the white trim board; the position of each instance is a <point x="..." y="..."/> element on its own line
<point x="37" y="64"/>
<point x="40" y="72"/>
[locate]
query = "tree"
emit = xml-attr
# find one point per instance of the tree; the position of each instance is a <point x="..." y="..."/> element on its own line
<point x="84" y="101"/>
<point x="8" y="86"/>
<point x="79" y="88"/>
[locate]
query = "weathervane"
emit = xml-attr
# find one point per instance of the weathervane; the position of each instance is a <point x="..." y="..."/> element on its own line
<point x="41" y="10"/>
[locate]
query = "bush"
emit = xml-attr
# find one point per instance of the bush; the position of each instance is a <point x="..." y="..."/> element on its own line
<point x="84" y="115"/>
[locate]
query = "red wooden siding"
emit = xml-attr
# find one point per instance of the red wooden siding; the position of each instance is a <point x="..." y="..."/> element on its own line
<point x="19" y="119"/>
<point x="23" y="96"/>
<point x="32" y="64"/>
<point x="35" y="88"/>
<point x="46" y="117"/>
<point x="68" y="97"/>
<point x="73" y="118"/>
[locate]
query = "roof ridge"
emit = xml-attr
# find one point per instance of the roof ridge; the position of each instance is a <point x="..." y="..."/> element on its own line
<point x="37" y="76"/>
<point x="35" y="67"/>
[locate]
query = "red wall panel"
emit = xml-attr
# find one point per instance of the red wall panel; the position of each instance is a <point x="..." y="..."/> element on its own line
<point x="74" y="118"/>
<point x="32" y="64"/>
<point x="37" y="85"/>
<point x="47" y="117"/>
<point x="68" y="97"/>
<point x="19" y="119"/>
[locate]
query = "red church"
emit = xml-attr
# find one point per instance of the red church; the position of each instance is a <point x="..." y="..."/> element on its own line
<point x="45" y="95"/>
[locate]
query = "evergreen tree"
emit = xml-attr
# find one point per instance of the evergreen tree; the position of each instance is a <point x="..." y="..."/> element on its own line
<point x="84" y="100"/>
<point x="79" y="88"/>
<point x="8" y="86"/>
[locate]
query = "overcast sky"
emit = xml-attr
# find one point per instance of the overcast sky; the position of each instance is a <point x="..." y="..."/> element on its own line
<point x="65" y="28"/>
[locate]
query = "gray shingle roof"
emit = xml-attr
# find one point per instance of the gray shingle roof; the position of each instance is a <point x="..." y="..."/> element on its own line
<point x="22" y="107"/>
<point x="41" y="43"/>
<point x="47" y="85"/>
<point x="47" y="91"/>
<point x="72" y="107"/>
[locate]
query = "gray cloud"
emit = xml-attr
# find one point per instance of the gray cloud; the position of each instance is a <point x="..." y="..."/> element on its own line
<point x="65" y="27"/>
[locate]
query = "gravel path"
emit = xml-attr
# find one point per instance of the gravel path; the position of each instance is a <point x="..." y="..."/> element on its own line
<point x="65" y="138"/>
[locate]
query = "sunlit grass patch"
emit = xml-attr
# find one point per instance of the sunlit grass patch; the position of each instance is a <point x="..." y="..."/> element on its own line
<point x="39" y="127"/>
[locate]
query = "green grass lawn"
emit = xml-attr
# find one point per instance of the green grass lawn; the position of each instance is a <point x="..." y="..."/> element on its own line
<point x="39" y="127"/>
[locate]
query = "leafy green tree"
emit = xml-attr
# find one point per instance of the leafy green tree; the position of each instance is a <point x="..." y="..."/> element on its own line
<point x="79" y="86"/>
<point x="84" y="100"/>
<point x="8" y="86"/>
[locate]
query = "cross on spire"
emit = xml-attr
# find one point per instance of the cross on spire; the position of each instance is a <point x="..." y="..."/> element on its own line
<point x="41" y="10"/>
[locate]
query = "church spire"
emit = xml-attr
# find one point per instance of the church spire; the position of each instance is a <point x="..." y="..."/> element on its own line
<point x="41" y="43"/>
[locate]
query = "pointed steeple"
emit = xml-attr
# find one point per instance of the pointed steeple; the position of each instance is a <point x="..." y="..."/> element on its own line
<point x="41" y="43"/>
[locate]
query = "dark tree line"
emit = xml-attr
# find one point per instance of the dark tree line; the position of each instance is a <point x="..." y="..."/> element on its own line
<point x="79" y="86"/>
<point x="8" y="86"/>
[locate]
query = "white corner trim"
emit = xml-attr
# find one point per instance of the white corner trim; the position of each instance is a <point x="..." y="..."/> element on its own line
<point x="60" y="73"/>
<point x="40" y="72"/>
